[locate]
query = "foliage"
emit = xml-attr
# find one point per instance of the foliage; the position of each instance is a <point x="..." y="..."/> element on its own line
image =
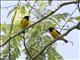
<point x="36" y="36"/>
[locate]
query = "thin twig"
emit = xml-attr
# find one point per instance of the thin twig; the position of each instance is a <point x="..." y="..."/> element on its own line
<point x="34" y="8"/>
<point x="25" y="46"/>
<point x="10" y="33"/>
<point x="78" y="6"/>
<point x="68" y="20"/>
<point x="9" y="48"/>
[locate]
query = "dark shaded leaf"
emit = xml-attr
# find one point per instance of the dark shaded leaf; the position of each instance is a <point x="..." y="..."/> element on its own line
<point x="50" y="1"/>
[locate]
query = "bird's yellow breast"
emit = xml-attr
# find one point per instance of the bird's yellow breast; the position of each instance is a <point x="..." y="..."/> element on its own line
<point x="24" y="23"/>
<point x="54" y="33"/>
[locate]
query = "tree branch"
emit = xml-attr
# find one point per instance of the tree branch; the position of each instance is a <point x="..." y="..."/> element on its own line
<point x="32" y="6"/>
<point x="24" y="43"/>
<point x="61" y="5"/>
<point x="43" y="49"/>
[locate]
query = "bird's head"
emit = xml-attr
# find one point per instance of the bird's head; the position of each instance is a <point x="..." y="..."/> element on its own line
<point x="26" y="17"/>
<point x="51" y="29"/>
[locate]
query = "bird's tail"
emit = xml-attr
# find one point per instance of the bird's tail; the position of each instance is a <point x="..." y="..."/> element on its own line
<point x="66" y="41"/>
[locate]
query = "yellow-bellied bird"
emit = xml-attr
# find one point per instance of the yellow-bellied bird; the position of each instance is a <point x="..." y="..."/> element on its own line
<point x="54" y="33"/>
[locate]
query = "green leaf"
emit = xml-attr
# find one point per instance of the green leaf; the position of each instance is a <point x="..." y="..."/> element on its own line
<point x="11" y="11"/>
<point x="70" y="19"/>
<point x="14" y="54"/>
<point x="58" y="56"/>
<point x="27" y="5"/>
<point x="48" y="12"/>
<point x="5" y="50"/>
<point x="50" y="1"/>
<point x="77" y="18"/>
<point x="22" y="9"/>
<point x="61" y="17"/>
<point x="51" y="55"/>
<point x="15" y="44"/>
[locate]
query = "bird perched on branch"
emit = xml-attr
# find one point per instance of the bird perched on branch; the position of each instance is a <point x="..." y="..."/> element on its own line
<point x="54" y="33"/>
<point x="24" y="22"/>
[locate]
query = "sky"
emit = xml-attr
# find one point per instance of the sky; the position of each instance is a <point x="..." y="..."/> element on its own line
<point x="68" y="51"/>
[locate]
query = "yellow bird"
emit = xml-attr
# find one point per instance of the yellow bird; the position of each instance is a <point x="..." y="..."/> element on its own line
<point x="24" y="22"/>
<point x="54" y="33"/>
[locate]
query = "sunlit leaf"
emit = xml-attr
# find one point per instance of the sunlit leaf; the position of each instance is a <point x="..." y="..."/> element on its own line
<point x="61" y="17"/>
<point x="27" y="5"/>
<point x="22" y="10"/>
<point x="57" y="55"/>
<point x="11" y="11"/>
<point x="77" y="18"/>
<point x="51" y="55"/>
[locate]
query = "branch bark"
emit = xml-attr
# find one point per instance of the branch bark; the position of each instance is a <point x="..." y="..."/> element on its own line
<point x="61" y="5"/>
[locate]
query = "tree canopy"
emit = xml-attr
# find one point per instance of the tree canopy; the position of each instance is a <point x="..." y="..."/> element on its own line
<point x="39" y="45"/>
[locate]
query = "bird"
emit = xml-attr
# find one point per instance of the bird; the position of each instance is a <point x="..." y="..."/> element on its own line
<point x="24" y="22"/>
<point x="55" y="33"/>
